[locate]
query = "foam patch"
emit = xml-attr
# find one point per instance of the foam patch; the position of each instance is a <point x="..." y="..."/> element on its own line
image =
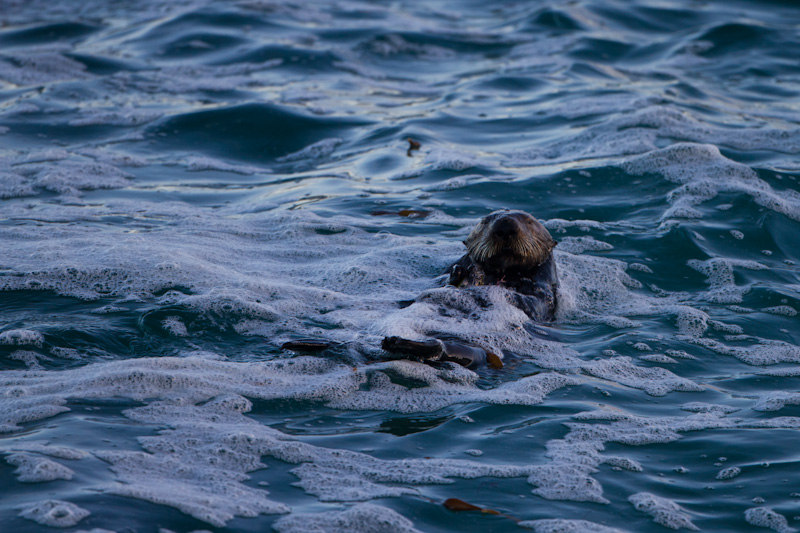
<point x="776" y="400"/>
<point x="766" y="517"/>
<point x="443" y="387"/>
<point x="729" y="473"/>
<point x="13" y="185"/>
<point x="114" y="117"/>
<point x="703" y="173"/>
<point x="361" y="518"/>
<point x="40" y="67"/>
<point x="762" y="352"/>
<point x="719" y="272"/>
<point x="639" y="132"/>
<point x="198" y="465"/>
<point x="318" y="150"/>
<point x="665" y="512"/>
<point x="54" y="513"/>
<point x="655" y="381"/>
<point x="72" y="174"/>
<point x="212" y="259"/>
<point x="202" y="163"/>
<point x="22" y="337"/>
<point x="33" y="469"/>
<point x="559" y="525"/>
<point x="576" y="457"/>
<point x="295" y="274"/>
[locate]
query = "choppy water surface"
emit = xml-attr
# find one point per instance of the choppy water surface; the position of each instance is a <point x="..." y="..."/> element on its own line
<point x="188" y="185"/>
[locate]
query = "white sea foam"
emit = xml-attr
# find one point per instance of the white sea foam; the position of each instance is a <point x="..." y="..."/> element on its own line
<point x="29" y="358"/>
<point x="175" y="326"/>
<point x="114" y="117"/>
<point x="22" y="337"/>
<point x="61" y="172"/>
<point x="776" y="400"/>
<point x="209" y="449"/>
<point x="576" y="457"/>
<point x="41" y="67"/>
<point x="781" y="310"/>
<point x="559" y="525"/>
<point x="719" y="272"/>
<point x="346" y="279"/>
<point x="766" y="517"/>
<point x="578" y="245"/>
<point x="729" y="473"/>
<point x="655" y="381"/>
<point x="111" y="157"/>
<point x="440" y="158"/>
<point x="459" y="182"/>
<point x="39" y="448"/>
<point x="658" y="358"/>
<point x="13" y="185"/>
<point x="665" y="512"/>
<point x="568" y="482"/>
<point x="54" y="513"/>
<point x="639" y="267"/>
<point x="201" y="163"/>
<point x="763" y="352"/>
<point x="782" y="372"/>
<point x="444" y="387"/>
<point x="360" y="518"/>
<point x="559" y="225"/>
<point x="703" y="173"/>
<point x="778" y="422"/>
<point x="702" y="407"/>
<point x="33" y="468"/>
<point x="640" y="131"/>
<point x="679" y="354"/>
<point x="282" y="275"/>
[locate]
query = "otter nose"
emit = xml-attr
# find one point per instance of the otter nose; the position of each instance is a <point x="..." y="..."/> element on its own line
<point x="505" y="228"/>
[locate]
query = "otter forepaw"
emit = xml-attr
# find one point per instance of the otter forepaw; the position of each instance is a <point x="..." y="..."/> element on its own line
<point x="428" y="350"/>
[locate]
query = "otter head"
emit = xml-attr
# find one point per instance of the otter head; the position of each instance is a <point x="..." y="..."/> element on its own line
<point x="509" y="239"/>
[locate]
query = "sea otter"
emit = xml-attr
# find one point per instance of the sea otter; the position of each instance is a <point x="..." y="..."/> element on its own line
<point x="507" y="248"/>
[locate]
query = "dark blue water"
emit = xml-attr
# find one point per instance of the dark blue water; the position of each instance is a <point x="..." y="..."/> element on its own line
<point x="185" y="186"/>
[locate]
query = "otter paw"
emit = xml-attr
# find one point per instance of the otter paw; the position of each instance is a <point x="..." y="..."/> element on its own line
<point x="428" y="350"/>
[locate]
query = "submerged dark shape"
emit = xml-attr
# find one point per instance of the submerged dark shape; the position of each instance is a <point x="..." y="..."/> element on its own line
<point x="507" y="248"/>
<point x="306" y="345"/>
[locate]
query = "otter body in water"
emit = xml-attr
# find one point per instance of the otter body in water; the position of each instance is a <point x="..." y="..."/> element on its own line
<point x="507" y="248"/>
<point x="512" y="249"/>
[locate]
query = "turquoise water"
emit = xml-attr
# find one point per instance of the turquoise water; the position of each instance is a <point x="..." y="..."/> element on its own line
<point x="185" y="186"/>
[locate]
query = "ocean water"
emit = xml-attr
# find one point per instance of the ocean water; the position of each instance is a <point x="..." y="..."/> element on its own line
<point x="187" y="185"/>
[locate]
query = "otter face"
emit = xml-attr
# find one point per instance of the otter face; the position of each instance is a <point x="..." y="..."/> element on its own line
<point x="505" y="239"/>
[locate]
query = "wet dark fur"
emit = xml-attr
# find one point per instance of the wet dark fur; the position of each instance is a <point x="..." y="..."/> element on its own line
<point x="496" y="257"/>
<point x="507" y="248"/>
